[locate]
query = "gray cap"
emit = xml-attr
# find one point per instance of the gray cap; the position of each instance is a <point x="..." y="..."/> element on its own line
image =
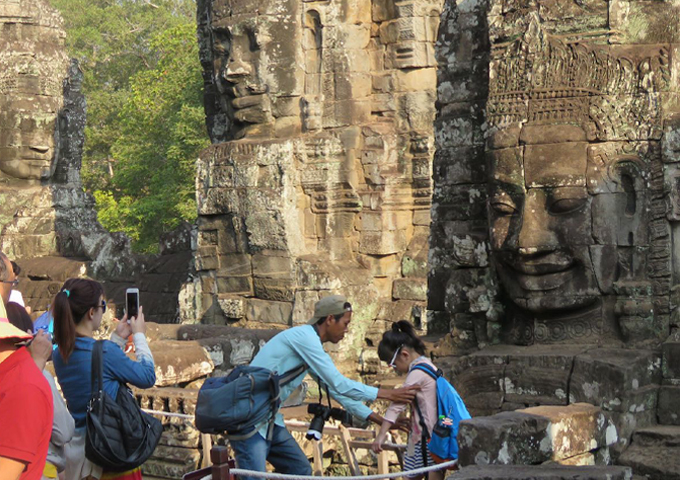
<point x="331" y="305"/>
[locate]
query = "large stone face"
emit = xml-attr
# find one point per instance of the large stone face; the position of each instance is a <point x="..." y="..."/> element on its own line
<point x="554" y="206"/>
<point x="47" y="222"/>
<point x="318" y="179"/>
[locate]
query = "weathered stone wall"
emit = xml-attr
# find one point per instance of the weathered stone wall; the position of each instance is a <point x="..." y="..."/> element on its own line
<point x="319" y="177"/>
<point x="552" y="254"/>
<point x="586" y="101"/>
<point x="47" y="222"/>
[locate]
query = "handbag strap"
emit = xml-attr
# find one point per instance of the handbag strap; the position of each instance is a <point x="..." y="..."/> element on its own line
<point x="97" y="369"/>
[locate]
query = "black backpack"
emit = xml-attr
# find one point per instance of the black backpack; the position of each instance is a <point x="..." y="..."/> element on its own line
<point x="119" y="435"/>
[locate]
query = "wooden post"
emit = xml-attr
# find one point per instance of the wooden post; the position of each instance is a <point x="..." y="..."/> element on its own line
<point x="219" y="456"/>
<point x="383" y="465"/>
<point x="351" y="458"/>
<point x="206" y="442"/>
<point x="317" y="450"/>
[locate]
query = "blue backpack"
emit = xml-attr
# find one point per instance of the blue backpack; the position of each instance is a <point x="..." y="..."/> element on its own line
<point x="238" y="403"/>
<point x="442" y="441"/>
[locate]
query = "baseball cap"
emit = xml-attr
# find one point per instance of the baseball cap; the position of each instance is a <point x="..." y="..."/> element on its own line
<point x="7" y="330"/>
<point x="331" y="305"/>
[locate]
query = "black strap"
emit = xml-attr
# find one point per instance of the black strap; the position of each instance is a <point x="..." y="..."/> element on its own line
<point x="424" y="433"/>
<point x="97" y="371"/>
<point x="291" y="374"/>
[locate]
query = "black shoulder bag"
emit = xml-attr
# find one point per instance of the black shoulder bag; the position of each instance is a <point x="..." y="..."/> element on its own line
<point x="119" y="435"/>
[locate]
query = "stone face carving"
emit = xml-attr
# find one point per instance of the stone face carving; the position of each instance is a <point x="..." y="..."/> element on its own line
<point x="47" y="222"/>
<point x="319" y="178"/>
<point x="572" y="162"/>
<point x="554" y="207"/>
<point x="578" y="230"/>
<point x="32" y="64"/>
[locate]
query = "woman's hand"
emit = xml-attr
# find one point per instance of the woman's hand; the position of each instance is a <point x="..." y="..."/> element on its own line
<point x="137" y="323"/>
<point x="377" y="446"/>
<point x="123" y="329"/>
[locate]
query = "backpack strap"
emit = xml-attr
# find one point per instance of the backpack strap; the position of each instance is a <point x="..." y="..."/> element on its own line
<point x="292" y="374"/>
<point x="424" y="433"/>
<point x="97" y="372"/>
<point x="427" y="368"/>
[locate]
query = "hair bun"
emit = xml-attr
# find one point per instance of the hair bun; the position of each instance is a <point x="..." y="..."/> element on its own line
<point x="395" y="327"/>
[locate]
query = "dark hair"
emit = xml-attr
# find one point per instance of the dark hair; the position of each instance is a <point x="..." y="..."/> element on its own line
<point x="4" y="273"/>
<point x="69" y="307"/>
<point x="19" y="317"/>
<point x="337" y="316"/>
<point x="402" y="334"/>
<point x="15" y="268"/>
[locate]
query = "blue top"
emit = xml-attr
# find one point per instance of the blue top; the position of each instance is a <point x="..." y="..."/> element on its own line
<point x="302" y="345"/>
<point x="74" y="375"/>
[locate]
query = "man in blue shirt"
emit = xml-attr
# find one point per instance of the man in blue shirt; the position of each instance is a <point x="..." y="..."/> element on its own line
<point x="289" y="350"/>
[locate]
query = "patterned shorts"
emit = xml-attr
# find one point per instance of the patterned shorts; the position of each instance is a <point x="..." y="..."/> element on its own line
<point x="414" y="460"/>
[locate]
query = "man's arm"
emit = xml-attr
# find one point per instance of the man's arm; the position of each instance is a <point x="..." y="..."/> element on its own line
<point x="11" y="469"/>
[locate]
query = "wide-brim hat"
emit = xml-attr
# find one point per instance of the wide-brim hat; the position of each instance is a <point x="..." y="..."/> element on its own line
<point x="7" y="330"/>
<point x="331" y="305"/>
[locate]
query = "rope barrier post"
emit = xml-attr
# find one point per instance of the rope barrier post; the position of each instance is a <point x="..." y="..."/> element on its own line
<point x="351" y="458"/>
<point x="383" y="465"/>
<point x="206" y="446"/>
<point x="317" y="450"/>
<point x="219" y="455"/>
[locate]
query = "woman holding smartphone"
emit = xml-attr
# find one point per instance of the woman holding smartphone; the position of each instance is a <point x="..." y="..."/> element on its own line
<point x="78" y="309"/>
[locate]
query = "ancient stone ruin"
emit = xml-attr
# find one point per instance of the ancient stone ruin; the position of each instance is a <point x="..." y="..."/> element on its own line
<point x="552" y="253"/>
<point x="47" y="222"/>
<point x="318" y="179"/>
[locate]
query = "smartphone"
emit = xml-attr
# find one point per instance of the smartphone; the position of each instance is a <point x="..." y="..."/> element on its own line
<point x="132" y="302"/>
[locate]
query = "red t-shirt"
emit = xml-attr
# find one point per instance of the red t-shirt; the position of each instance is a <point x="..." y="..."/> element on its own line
<point x="26" y="413"/>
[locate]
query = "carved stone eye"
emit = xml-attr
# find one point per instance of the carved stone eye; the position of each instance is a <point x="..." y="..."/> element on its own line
<point x="567" y="205"/>
<point x="503" y="207"/>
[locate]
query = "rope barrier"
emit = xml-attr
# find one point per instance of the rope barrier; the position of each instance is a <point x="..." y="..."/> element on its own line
<point x="284" y="476"/>
<point x="168" y="414"/>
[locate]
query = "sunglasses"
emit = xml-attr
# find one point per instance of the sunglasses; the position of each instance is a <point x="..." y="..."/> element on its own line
<point x="14" y="282"/>
<point x="102" y="306"/>
<point x="394" y="358"/>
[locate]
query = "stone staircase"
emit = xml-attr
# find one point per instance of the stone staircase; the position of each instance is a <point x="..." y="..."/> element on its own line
<point x="654" y="453"/>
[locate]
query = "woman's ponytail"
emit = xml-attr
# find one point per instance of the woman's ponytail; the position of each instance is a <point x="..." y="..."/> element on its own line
<point x="69" y="306"/>
<point x="64" y="326"/>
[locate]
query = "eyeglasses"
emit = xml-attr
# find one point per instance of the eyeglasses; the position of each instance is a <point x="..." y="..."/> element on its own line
<point x="394" y="358"/>
<point x="102" y="306"/>
<point x="14" y="282"/>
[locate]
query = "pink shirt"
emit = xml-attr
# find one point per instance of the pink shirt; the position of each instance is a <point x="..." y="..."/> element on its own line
<point x="427" y="400"/>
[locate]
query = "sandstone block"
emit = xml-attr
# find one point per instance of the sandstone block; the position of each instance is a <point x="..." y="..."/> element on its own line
<point x="272" y="266"/>
<point x="608" y="377"/>
<point x="278" y="289"/>
<point x="410" y="289"/>
<point x="382" y="243"/>
<point x="234" y="264"/>
<point x="265" y="311"/>
<point x="242" y="284"/>
<point x="539" y="374"/>
<point x="303" y="308"/>
<point x="654" y="453"/>
<point x="232" y="306"/>
<point x="541" y="472"/>
<point x="179" y="362"/>
<point x="535" y="435"/>
<point x="668" y="408"/>
<point x="670" y="351"/>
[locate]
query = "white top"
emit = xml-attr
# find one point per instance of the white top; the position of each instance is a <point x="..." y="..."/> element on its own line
<point x="16" y="297"/>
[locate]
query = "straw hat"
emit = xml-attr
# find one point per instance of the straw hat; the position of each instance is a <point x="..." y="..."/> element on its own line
<point x="7" y="330"/>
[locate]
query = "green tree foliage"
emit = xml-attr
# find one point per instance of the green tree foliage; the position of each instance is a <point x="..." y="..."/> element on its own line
<point x="145" y="123"/>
